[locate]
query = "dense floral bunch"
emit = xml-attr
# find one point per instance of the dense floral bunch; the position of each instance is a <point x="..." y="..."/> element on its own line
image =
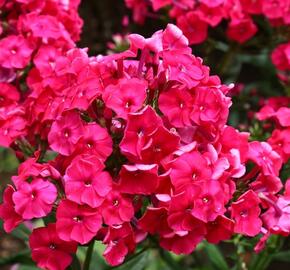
<point x="30" y="30"/>
<point x="143" y="151"/>
<point x="194" y="17"/>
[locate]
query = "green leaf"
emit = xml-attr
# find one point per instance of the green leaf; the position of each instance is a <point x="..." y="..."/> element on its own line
<point x="21" y="232"/>
<point x="75" y="265"/>
<point x="138" y="262"/>
<point x="22" y="257"/>
<point x="28" y="267"/>
<point x="283" y="256"/>
<point x="215" y="256"/>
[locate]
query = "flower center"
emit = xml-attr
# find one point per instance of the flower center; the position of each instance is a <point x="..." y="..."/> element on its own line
<point x="78" y="219"/>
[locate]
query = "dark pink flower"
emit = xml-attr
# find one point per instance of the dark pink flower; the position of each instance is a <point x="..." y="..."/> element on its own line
<point x="8" y="94"/>
<point x="139" y="126"/>
<point x="78" y="223"/>
<point x="219" y="230"/>
<point x="48" y="250"/>
<point x="126" y="96"/>
<point x="183" y="243"/>
<point x="241" y="30"/>
<point x="158" y="146"/>
<point x="7" y="211"/>
<point x="120" y="241"/>
<point x="139" y="179"/>
<point x="35" y="199"/>
<point x="86" y="182"/>
<point x="245" y="212"/>
<point x="193" y="27"/>
<point x="154" y="221"/>
<point x="65" y="132"/>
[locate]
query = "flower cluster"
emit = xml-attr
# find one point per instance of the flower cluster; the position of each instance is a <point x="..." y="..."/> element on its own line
<point x="281" y="59"/>
<point x="195" y="17"/>
<point x="142" y="148"/>
<point x="30" y="32"/>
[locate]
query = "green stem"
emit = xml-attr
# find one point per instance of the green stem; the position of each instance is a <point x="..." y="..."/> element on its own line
<point x="89" y="255"/>
<point x="172" y="264"/>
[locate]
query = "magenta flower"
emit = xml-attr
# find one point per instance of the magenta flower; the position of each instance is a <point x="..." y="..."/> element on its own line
<point x="96" y="141"/>
<point x="86" y="182"/>
<point x="184" y="171"/>
<point x="15" y="52"/>
<point x="117" y="208"/>
<point x="48" y="250"/>
<point x="35" y="199"/>
<point x="65" y="132"/>
<point x="263" y="155"/>
<point x="245" y="212"/>
<point x="127" y="96"/>
<point x="78" y="223"/>
<point x="176" y="104"/>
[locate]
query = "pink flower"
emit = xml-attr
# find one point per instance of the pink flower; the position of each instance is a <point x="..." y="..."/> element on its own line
<point x="280" y="56"/>
<point x="264" y="156"/>
<point x="45" y="59"/>
<point x="189" y="168"/>
<point x="35" y="199"/>
<point x="96" y="141"/>
<point x="12" y="127"/>
<point x="78" y="223"/>
<point x="274" y="9"/>
<point x="48" y="250"/>
<point x="117" y="208"/>
<point x="209" y="203"/>
<point x="176" y="104"/>
<point x="140" y="125"/>
<point x="65" y="132"/>
<point x="241" y="30"/>
<point x="126" y="96"/>
<point x="211" y="107"/>
<point x="245" y="212"/>
<point x="86" y="182"/>
<point x="193" y="27"/>
<point x="280" y="142"/>
<point x="120" y="241"/>
<point x="283" y="116"/>
<point x="139" y="179"/>
<point x="15" y="52"/>
<point x="7" y="211"/>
